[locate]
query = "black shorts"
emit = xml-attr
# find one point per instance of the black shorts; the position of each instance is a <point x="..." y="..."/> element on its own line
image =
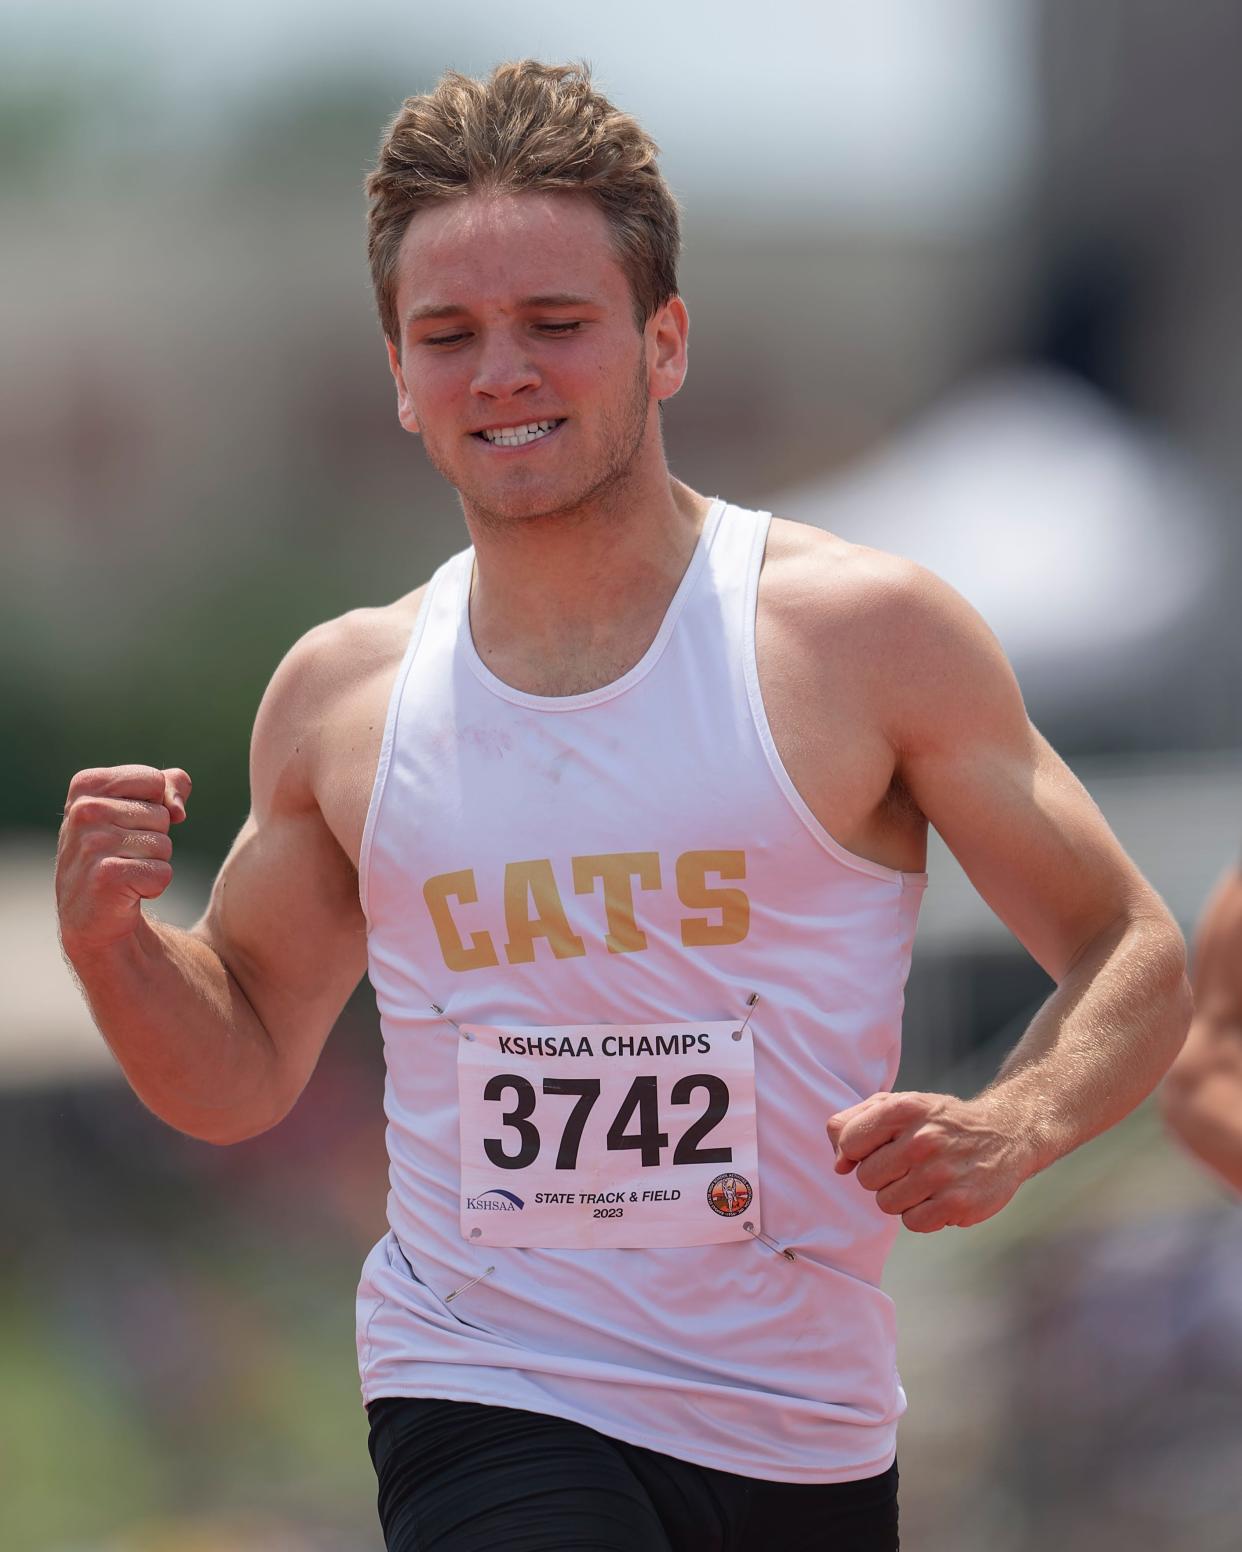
<point x="456" y="1477"/>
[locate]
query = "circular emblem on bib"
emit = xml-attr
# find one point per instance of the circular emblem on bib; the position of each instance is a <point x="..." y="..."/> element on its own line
<point x="729" y="1195"/>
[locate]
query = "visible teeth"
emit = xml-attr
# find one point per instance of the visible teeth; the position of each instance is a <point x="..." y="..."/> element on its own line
<point x="517" y="436"/>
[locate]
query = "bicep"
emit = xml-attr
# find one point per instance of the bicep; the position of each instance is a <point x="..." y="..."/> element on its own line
<point x="1023" y="827"/>
<point x="284" y="916"/>
<point x="286" y="921"/>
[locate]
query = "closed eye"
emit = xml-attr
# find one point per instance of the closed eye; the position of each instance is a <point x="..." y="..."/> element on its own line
<point x="554" y="329"/>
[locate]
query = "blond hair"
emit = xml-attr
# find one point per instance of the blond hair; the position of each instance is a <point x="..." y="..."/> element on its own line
<point x="528" y="126"/>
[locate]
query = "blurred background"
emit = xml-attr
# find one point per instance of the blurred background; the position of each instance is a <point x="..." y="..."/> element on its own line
<point x="966" y="283"/>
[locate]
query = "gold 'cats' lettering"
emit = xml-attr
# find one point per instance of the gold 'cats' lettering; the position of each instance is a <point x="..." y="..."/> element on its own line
<point x="534" y="882"/>
<point x="617" y="869"/>
<point x="534" y="909"/>
<point x="481" y="955"/>
<point x="692" y="890"/>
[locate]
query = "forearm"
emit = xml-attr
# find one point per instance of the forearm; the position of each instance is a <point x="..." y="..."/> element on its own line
<point x="187" y="1039"/>
<point x="1100" y="1043"/>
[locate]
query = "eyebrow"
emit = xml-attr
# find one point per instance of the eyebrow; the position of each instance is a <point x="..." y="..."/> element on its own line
<point x="456" y="309"/>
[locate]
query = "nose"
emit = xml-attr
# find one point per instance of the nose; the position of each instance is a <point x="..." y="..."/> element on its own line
<point x="504" y="368"/>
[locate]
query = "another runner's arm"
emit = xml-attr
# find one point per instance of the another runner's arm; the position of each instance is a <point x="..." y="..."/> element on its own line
<point x="218" y="1028"/>
<point x="1202" y="1095"/>
<point x="1042" y="856"/>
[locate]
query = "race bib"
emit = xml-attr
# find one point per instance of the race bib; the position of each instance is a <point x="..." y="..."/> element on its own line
<point x="606" y="1135"/>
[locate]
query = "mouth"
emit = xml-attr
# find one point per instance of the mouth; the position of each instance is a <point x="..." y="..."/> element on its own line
<point x="518" y="436"/>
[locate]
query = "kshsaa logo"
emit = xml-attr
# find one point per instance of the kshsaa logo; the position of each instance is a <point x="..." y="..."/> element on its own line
<point x="498" y="1201"/>
<point x="729" y="1195"/>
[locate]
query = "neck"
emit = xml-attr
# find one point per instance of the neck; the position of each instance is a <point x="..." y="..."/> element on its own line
<point x="549" y="589"/>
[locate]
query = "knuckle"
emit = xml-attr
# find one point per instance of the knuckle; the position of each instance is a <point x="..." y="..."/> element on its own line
<point x="118" y="873"/>
<point x="116" y="780"/>
<point x="92" y="810"/>
<point x="152" y="845"/>
<point x="112" y="869"/>
<point x="940" y="1173"/>
<point x="877" y="1170"/>
<point x="923" y="1219"/>
<point x="924" y="1144"/>
<point x="98" y="841"/>
<point x="88" y="780"/>
<point x="106" y="876"/>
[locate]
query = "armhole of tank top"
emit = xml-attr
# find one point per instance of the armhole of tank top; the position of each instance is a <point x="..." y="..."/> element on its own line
<point x="385" y="754"/>
<point x="759" y="717"/>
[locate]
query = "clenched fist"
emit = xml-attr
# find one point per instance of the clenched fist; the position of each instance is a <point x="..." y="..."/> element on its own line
<point x="933" y="1159"/>
<point x="114" y="851"/>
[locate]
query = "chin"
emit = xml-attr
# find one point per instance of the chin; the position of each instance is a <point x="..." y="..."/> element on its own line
<point x="511" y="506"/>
<point x="516" y="511"/>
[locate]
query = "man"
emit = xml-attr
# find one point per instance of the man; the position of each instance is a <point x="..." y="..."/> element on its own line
<point x="1202" y="1095"/>
<point x="634" y="796"/>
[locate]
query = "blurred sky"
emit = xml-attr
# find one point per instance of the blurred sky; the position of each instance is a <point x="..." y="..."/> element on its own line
<point x="893" y="112"/>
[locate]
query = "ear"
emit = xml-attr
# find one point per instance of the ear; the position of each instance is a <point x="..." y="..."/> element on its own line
<point x="667" y="339"/>
<point x="405" y="406"/>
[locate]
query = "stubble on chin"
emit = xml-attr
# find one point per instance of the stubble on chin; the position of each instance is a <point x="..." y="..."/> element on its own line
<point x="600" y="494"/>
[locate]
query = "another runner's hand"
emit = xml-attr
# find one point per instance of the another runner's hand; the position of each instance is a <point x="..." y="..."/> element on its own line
<point x="114" y="850"/>
<point x="931" y="1158"/>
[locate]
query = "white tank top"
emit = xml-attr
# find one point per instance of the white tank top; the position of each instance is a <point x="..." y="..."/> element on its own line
<point x="634" y="856"/>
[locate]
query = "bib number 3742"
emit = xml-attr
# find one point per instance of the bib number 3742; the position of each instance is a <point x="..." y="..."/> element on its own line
<point x="608" y="1135"/>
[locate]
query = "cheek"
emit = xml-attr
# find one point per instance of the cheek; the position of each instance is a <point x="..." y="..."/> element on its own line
<point x="432" y="395"/>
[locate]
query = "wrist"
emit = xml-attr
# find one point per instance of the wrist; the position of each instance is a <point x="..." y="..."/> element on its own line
<point x="132" y="950"/>
<point x="1026" y="1122"/>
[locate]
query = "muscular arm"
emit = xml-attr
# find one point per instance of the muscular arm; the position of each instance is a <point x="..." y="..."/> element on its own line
<point x="219" y="1028"/>
<point x="1202" y="1095"/>
<point x="1039" y="852"/>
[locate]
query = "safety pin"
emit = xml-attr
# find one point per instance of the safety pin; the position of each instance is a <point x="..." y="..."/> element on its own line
<point x="769" y="1243"/>
<point x="465" y="1287"/>
<point x="750" y="1003"/>
<point x="436" y="1008"/>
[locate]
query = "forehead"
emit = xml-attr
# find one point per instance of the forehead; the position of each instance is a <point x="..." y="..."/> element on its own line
<point x="490" y="248"/>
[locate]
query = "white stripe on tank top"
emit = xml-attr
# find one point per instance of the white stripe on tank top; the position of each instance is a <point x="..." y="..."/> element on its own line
<point x="726" y="1354"/>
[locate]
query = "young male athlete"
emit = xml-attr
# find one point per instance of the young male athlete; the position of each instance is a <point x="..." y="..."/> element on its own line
<point x="624" y="811"/>
<point x="1202" y="1095"/>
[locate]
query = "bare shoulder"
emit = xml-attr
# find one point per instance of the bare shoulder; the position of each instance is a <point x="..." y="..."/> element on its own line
<point x="329" y="690"/>
<point x="812" y="572"/>
<point x="916" y="645"/>
<point x="337" y="657"/>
